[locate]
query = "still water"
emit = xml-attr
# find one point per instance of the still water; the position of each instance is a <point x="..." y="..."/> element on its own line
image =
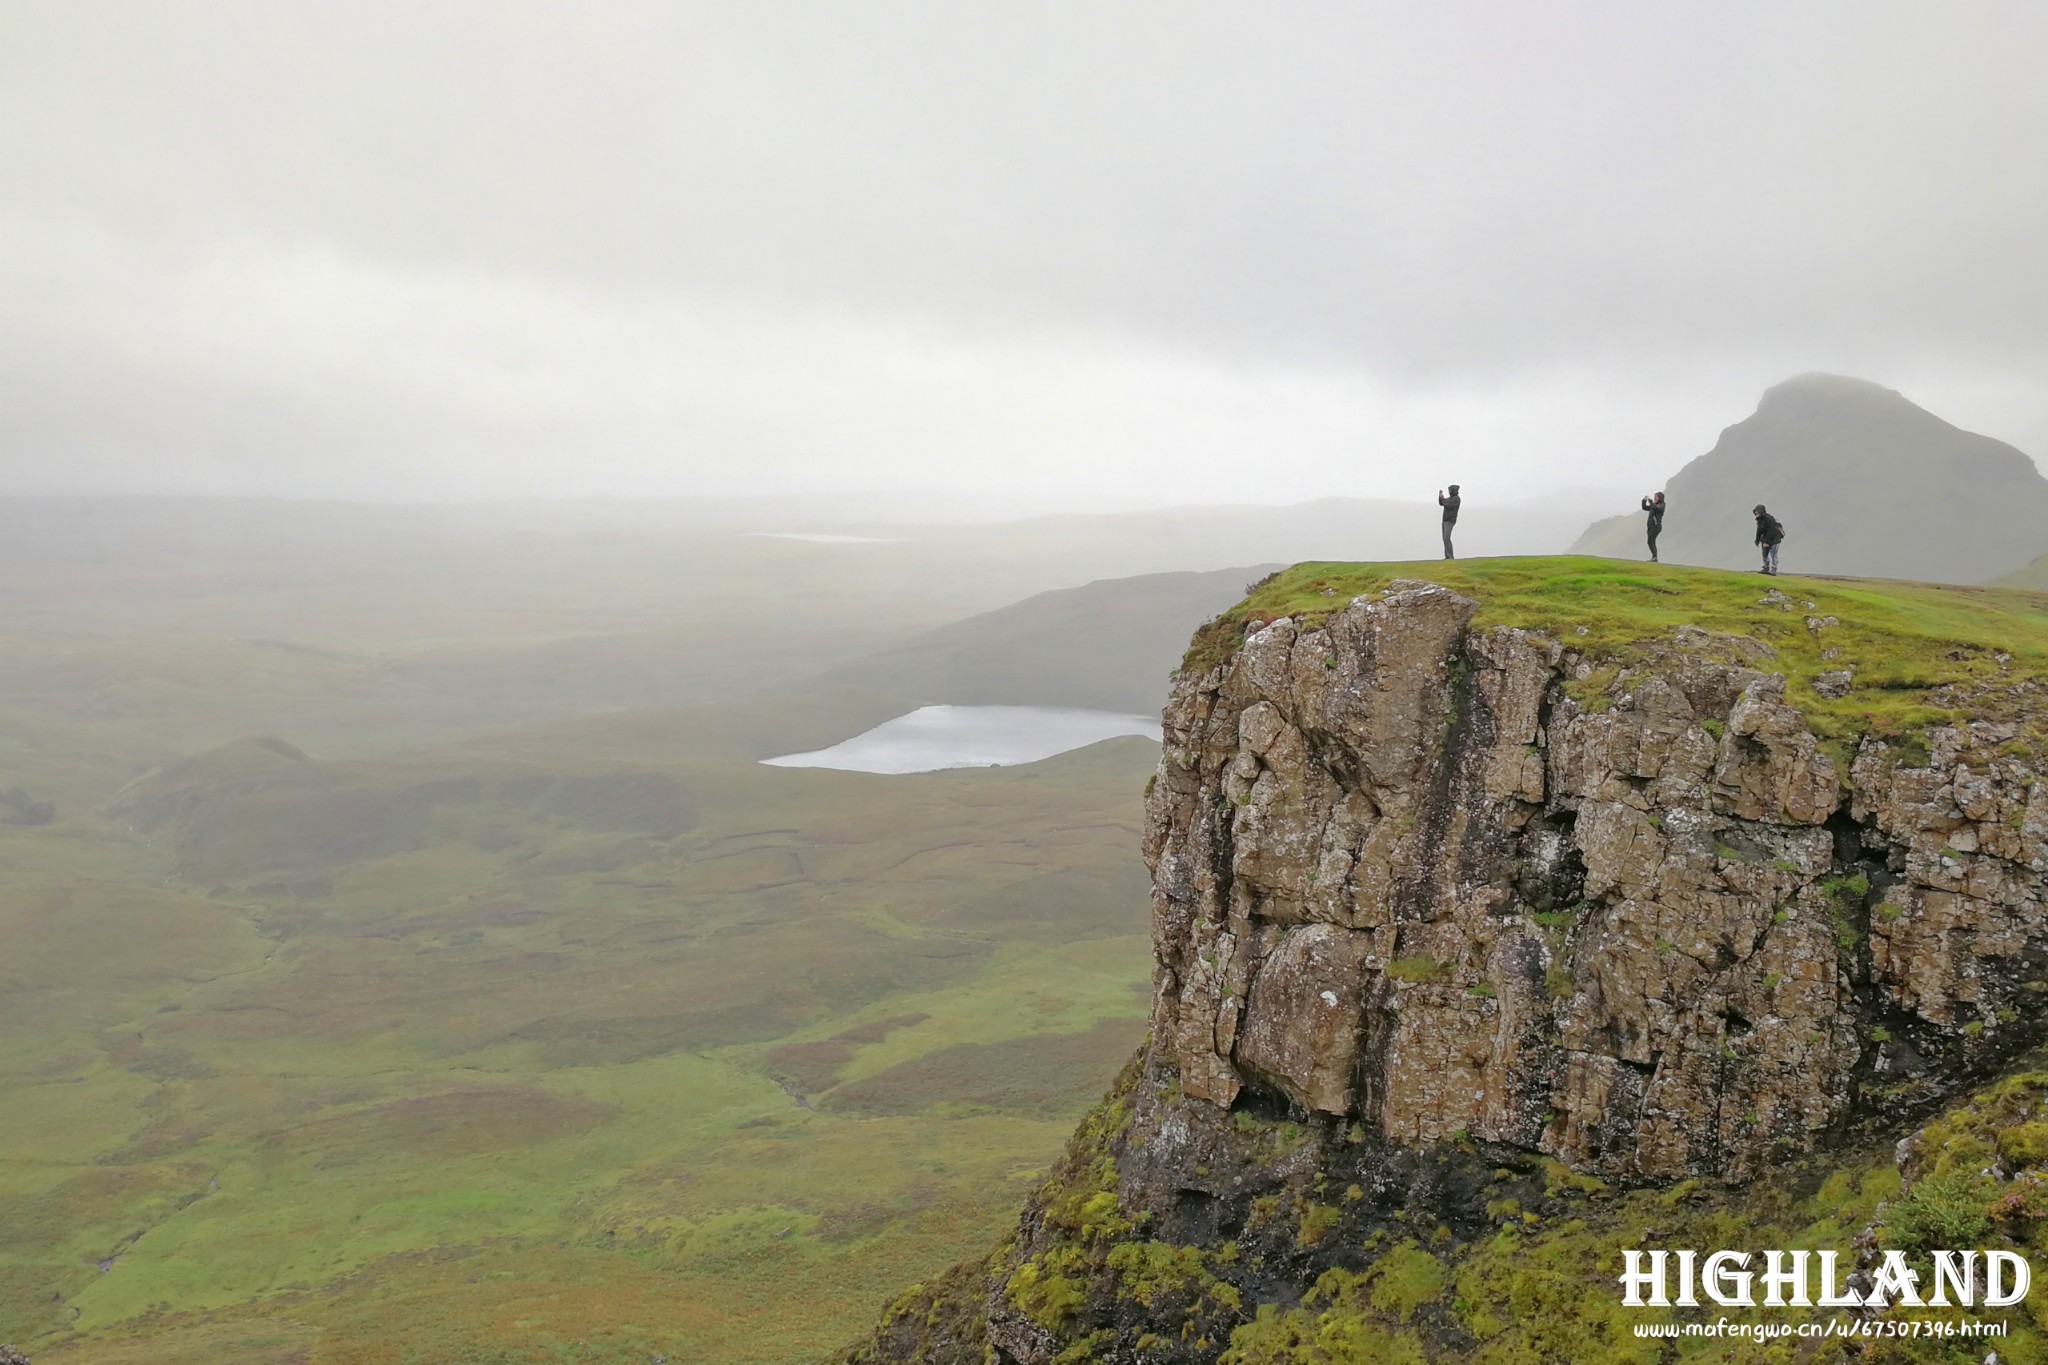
<point x="934" y="737"/>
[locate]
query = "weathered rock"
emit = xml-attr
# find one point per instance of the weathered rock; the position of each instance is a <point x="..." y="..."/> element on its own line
<point x="1410" y="872"/>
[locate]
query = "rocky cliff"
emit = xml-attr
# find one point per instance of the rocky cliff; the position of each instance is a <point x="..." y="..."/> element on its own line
<point x="1484" y="897"/>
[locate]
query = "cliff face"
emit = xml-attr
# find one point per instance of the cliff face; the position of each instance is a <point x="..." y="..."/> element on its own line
<point x="1403" y="874"/>
<point x="1455" y="918"/>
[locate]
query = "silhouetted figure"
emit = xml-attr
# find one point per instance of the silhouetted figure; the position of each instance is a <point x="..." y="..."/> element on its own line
<point x="1770" y="533"/>
<point x="1654" y="505"/>
<point x="1450" y="506"/>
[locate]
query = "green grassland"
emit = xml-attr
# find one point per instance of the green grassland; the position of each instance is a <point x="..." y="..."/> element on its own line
<point x="501" y="1007"/>
<point x="474" y="1020"/>
<point x="585" y="1041"/>
<point x="1921" y="653"/>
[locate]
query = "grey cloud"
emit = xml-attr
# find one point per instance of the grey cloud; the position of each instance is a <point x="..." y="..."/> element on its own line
<point x="635" y="247"/>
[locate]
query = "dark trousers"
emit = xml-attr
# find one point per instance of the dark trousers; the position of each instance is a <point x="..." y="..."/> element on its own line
<point x="1447" y="539"/>
<point x="1656" y="528"/>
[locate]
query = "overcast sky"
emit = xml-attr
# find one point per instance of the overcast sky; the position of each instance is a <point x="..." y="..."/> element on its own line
<point x="1120" y="250"/>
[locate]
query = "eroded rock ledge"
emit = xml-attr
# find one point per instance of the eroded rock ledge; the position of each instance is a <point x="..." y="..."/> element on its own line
<point x="1447" y="881"/>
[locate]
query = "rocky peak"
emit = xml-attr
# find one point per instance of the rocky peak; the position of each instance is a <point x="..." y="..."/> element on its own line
<point x="1818" y="387"/>
<point x="1866" y="482"/>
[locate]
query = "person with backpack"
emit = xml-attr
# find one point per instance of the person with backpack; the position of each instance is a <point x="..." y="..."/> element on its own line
<point x="1770" y="533"/>
<point x="1450" y="506"/>
<point x="1654" y="505"/>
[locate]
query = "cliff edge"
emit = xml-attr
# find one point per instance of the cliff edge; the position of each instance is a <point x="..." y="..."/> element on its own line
<point x="1494" y="900"/>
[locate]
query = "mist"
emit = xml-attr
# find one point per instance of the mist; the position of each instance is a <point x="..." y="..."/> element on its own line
<point x="1070" y="255"/>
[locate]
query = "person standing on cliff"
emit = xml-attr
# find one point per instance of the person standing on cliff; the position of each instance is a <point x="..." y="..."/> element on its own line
<point x="1654" y="505"/>
<point x="1770" y="534"/>
<point x="1450" y="506"/>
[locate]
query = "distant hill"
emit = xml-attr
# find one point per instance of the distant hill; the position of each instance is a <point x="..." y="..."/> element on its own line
<point x="1108" y="644"/>
<point x="2034" y="575"/>
<point x="1865" y="481"/>
<point x="260" y="805"/>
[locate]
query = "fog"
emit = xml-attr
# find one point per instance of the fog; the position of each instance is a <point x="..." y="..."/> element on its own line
<point x="1078" y="255"/>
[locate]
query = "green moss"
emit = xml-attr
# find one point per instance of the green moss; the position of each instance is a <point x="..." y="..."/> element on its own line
<point x="1154" y="1273"/>
<point x="1845" y="897"/>
<point x="1541" y="1288"/>
<point x="1594" y="692"/>
<point x="2026" y="1144"/>
<point x="1086" y="1351"/>
<point x="1418" y="969"/>
<point x="1559" y="1178"/>
<point x="1909" y="750"/>
<point x="1300" y="1336"/>
<point x="1403" y="1280"/>
<point x="1949" y="1209"/>
<point x="1048" y="1297"/>
<point x="1318" y="1221"/>
<point x="1848" y="891"/>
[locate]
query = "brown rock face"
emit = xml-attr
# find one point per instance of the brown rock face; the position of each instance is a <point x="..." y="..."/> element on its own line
<point x="1446" y="880"/>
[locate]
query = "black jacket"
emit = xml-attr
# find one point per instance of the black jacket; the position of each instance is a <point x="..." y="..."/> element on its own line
<point x="1768" y="531"/>
<point x="1450" y="506"/>
<point x="1656" y="511"/>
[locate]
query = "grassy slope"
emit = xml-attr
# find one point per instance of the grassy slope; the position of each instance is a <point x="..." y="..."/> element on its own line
<point x="2034" y="575"/>
<point x="1906" y="641"/>
<point x="520" y="1089"/>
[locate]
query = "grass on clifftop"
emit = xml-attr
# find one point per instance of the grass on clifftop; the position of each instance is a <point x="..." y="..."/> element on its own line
<point x="1906" y="642"/>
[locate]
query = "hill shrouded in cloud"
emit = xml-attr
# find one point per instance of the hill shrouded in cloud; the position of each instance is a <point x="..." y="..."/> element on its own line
<point x="1866" y="482"/>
